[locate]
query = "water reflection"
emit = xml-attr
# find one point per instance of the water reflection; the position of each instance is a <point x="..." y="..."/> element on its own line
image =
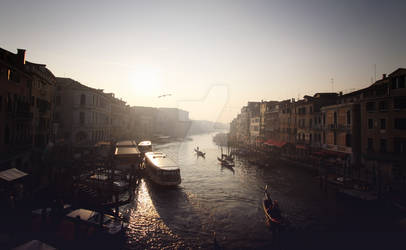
<point x="228" y="202"/>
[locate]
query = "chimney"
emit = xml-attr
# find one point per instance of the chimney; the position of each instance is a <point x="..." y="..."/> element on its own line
<point x="21" y="56"/>
<point x="383" y="76"/>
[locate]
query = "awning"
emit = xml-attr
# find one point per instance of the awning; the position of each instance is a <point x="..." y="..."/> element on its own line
<point x="12" y="174"/>
<point x="35" y="245"/>
<point x="275" y="143"/>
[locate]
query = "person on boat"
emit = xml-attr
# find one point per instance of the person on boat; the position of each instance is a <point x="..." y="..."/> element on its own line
<point x="275" y="211"/>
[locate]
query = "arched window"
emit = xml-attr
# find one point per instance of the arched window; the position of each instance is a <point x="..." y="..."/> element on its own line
<point x="82" y="99"/>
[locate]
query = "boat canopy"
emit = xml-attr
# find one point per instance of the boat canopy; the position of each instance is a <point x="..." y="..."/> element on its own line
<point x="12" y="174"/>
<point x="126" y="151"/>
<point x="126" y="144"/>
<point x="84" y="214"/>
<point x="161" y="161"/>
<point x="35" y="245"/>
<point x="144" y="144"/>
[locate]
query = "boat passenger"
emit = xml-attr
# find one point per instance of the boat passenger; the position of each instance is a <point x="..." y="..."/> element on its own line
<point x="275" y="211"/>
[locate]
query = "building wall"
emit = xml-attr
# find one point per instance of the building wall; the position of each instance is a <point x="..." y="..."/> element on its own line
<point x="83" y="114"/>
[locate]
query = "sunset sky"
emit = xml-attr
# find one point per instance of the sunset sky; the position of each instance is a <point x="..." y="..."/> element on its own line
<point x="212" y="56"/>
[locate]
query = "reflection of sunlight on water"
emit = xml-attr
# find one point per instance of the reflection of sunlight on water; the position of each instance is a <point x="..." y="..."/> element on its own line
<point x="146" y="227"/>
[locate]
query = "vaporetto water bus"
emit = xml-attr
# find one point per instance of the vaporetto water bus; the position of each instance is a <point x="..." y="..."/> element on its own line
<point x="161" y="169"/>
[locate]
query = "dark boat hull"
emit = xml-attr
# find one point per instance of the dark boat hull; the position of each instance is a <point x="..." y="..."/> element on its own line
<point x="272" y="221"/>
<point x="226" y="163"/>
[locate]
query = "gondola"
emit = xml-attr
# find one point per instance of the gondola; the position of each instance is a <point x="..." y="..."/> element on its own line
<point x="226" y="162"/>
<point x="200" y="153"/>
<point x="267" y="205"/>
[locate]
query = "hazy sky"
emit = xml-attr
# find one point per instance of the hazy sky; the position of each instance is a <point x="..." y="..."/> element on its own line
<point x="212" y="56"/>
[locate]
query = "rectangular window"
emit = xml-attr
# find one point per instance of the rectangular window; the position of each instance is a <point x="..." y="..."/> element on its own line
<point x="56" y="116"/>
<point x="370" y="106"/>
<point x="399" y="82"/>
<point x="335" y="119"/>
<point x="370" y="123"/>
<point x="399" y="102"/>
<point x="383" y="105"/>
<point x="349" y="117"/>
<point x="400" y="145"/>
<point x="335" y="138"/>
<point x="383" y="145"/>
<point x="1" y="102"/>
<point x="370" y="144"/>
<point x="383" y="123"/>
<point x="400" y="123"/>
<point x="82" y="117"/>
<point x="58" y="100"/>
<point x="348" y="140"/>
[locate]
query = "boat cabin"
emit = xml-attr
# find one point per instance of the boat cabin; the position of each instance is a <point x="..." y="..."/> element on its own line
<point x="145" y="146"/>
<point x="161" y="169"/>
<point x="126" y="158"/>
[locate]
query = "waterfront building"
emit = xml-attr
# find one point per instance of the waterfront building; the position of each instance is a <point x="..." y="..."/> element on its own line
<point x="265" y="108"/>
<point x="120" y="118"/>
<point x="383" y="131"/>
<point x="42" y="96"/>
<point x="16" y="116"/>
<point x="341" y="135"/>
<point x="243" y="126"/>
<point x="254" y="131"/>
<point x="82" y="114"/>
<point x="287" y="121"/>
<point x="144" y="122"/>
<point x="308" y="121"/>
<point x="172" y="122"/>
<point x="26" y="93"/>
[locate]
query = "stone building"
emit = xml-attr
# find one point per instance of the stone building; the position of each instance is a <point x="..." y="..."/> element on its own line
<point x="383" y="130"/>
<point x="341" y="132"/>
<point x="254" y="130"/>
<point x="287" y="121"/>
<point x="308" y="120"/>
<point x="16" y="116"/>
<point x="120" y="117"/>
<point x="26" y="92"/>
<point x="82" y="114"/>
<point x="42" y="95"/>
<point x="172" y="122"/>
<point x="144" y="122"/>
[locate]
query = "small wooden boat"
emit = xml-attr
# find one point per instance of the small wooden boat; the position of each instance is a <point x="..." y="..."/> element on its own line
<point x="267" y="205"/>
<point x="225" y="162"/>
<point x="200" y="153"/>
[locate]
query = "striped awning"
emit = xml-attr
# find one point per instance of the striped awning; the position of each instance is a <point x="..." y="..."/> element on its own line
<point x="12" y="174"/>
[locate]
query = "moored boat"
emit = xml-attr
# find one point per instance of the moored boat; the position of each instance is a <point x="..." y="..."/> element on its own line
<point x="161" y="169"/>
<point x="226" y="162"/>
<point x="200" y="153"/>
<point x="145" y="146"/>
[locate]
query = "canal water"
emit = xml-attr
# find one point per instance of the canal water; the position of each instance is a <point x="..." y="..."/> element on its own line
<point x="213" y="200"/>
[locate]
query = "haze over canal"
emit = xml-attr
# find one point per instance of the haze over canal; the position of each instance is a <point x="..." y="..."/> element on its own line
<point x="215" y="199"/>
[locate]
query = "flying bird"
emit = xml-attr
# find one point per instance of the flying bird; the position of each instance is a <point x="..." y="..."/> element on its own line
<point x="164" y="95"/>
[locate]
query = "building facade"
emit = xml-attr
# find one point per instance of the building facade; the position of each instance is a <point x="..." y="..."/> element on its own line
<point x="383" y="131"/>
<point x="82" y="114"/>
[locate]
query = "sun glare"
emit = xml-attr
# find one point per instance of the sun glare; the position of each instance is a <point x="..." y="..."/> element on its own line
<point x="146" y="81"/>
